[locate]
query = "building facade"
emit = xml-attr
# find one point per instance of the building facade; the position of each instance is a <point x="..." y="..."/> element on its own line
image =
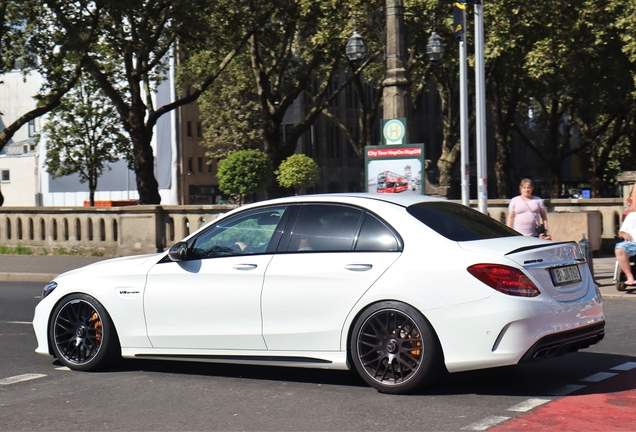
<point x="24" y="179"/>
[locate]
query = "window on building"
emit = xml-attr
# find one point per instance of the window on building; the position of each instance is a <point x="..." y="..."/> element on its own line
<point x="189" y="129"/>
<point x="199" y="130"/>
<point x="31" y="128"/>
<point x="190" y="165"/>
<point x="200" y="164"/>
<point x="209" y="164"/>
<point x="333" y="148"/>
<point x="313" y="150"/>
<point x="5" y="176"/>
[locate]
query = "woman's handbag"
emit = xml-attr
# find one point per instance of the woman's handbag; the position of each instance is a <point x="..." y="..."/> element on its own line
<point x="540" y="228"/>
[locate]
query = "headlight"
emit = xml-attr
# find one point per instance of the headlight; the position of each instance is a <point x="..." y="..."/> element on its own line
<point x="48" y="288"/>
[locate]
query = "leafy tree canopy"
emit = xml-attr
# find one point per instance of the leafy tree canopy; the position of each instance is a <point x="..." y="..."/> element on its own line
<point x="244" y="172"/>
<point x="297" y="171"/>
<point x="84" y="135"/>
<point x="32" y="39"/>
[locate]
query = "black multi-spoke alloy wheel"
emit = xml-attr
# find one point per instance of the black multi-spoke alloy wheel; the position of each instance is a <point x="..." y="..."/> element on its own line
<point x="394" y="348"/>
<point x="82" y="334"/>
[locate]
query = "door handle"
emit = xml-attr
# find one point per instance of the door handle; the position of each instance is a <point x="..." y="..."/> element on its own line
<point x="358" y="267"/>
<point x="245" y="267"/>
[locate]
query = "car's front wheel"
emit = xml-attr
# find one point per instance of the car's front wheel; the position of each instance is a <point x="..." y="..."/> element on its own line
<point x="394" y="348"/>
<point x="82" y="334"/>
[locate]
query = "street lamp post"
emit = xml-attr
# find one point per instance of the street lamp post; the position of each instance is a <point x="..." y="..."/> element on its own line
<point x="356" y="49"/>
<point x="435" y="47"/>
<point x="395" y="93"/>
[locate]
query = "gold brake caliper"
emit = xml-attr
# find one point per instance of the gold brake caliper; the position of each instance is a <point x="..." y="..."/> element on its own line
<point x="416" y="344"/>
<point x="98" y="327"/>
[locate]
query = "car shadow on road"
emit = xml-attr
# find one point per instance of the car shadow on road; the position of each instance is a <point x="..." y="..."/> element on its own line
<point x="269" y="373"/>
<point x="576" y="372"/>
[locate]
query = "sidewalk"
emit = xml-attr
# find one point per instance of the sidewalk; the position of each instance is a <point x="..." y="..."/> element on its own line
<point x="43" y="268"/>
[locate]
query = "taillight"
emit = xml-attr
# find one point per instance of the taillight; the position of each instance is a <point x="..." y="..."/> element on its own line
<point x="507" y="280"/>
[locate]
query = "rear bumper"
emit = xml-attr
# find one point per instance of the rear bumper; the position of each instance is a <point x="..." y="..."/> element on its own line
<point x="565" y="342"/>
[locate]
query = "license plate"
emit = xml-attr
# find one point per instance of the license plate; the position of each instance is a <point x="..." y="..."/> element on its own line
<point x="565" y="275"/>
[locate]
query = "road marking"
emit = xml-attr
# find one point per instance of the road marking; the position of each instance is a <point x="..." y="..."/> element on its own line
<point x="20" y="378"/>
<point x="62" y="368"/>
<point x="486" y="423"/>
<point x="19" y="322"/>
<point x="567" y="389"/>
<point x="598" y="377"/>
<point x="529" y="404"/>
<point x="625" y="366"/>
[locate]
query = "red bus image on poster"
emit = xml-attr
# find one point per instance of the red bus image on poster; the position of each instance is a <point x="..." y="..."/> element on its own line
<point x="390" y="182"/>
<point x="395" y="169"/>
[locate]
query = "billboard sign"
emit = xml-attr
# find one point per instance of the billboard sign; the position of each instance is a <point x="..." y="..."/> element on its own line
<point x="395" y="169"/>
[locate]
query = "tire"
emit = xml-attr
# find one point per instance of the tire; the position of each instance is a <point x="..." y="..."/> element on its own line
<point x="82" y="334"/>
<point x="395" y="349"/>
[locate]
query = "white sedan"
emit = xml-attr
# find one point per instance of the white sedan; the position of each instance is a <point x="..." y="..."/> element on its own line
<point x="401" y="288"/>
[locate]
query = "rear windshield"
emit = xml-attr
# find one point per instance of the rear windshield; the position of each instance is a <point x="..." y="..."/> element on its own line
<point x="457" y="222"/>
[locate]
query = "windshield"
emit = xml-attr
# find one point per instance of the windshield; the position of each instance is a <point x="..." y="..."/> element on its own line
<point x="457" y="222"/>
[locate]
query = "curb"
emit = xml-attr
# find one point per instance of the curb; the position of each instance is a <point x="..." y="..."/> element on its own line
<point x="27" y="277"/>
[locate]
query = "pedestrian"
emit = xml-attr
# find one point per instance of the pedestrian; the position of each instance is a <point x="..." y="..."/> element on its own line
<point x="627" y="248"/>
<point x="526" y="212"/>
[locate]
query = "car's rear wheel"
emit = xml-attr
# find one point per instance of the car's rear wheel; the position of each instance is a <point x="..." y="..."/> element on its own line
<point x="394" y="348"/>
<point x="82" y="334"/>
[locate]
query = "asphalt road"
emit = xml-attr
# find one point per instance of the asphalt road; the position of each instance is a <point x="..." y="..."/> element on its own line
<point x="163" y="396"/>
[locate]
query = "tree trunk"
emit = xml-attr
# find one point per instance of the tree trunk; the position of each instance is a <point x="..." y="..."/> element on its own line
<point x="147" y="184"/>
<point x="450" y="145"/>
<point x="503" y="123"/>
<point x="92" y="186"/>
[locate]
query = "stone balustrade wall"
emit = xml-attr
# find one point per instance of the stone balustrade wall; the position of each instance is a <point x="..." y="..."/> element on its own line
<point x="119" y="231"/>
<point x="108" y="231"/>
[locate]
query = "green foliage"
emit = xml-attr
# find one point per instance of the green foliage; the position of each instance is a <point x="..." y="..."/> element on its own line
<point x="298" y="171"/>
<point x="84" y="135"/>
<point x="243" y="172"/>
<point x="132" y="52"/>
<point x="32" y="41"/>
<point x="299" y="49"/>
<point x="15" y="250"/>
<point x="231" y="118"/>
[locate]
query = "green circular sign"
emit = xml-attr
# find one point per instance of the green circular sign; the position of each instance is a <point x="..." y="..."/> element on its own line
<point x="394" y="131"/>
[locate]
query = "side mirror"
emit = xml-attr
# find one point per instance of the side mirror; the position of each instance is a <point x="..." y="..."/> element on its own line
<point x="178" y="252"/>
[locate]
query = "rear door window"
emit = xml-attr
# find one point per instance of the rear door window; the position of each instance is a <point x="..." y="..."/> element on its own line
<point x="375" y="236"/>
<point x="335" y="228"/>
<point x="457" y="222"/>
<point x="323" y="227"/>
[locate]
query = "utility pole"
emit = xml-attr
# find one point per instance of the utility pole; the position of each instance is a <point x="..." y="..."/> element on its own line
<point x="480" y="110"/>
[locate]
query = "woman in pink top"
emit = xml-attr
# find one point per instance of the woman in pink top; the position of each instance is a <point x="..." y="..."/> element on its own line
<point x="526" y="211"/>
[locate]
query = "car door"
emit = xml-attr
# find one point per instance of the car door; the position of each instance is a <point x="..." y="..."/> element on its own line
<point x="324" y="265"/>
<point x="212" y="298"/>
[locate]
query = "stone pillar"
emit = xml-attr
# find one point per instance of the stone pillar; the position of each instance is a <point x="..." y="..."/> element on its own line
<point x="395" y="91"/>
<point x="627" y="180"/>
